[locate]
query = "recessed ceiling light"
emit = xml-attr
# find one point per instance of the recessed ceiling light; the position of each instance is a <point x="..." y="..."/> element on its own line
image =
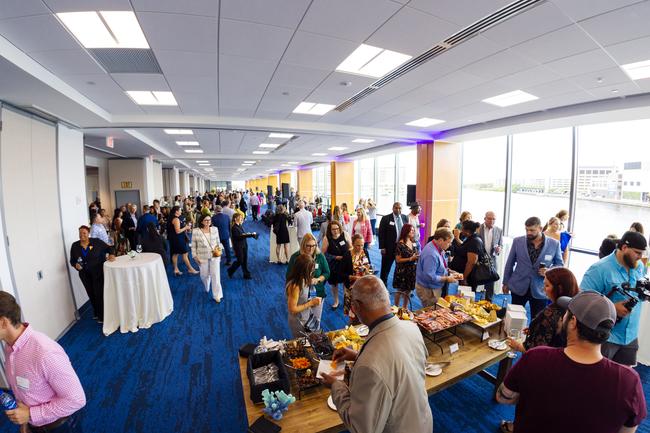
<point x="261" y="152"/>
<point x="285" y="165"/>
<point x="280" y="135"/>
<point x="337" y="148"/>
<point x="372" y="61"/>
<point x="637" y="70"/>
<point x="241" y="169"/>
<point x="614" y="90"/>
<point x="249" y="162"/>
<point x="193" y="151"/>
<point x="362" y="140"/>
<point x="425" y="122"/>
<point x="105" y="29"/>
<point x="147" y="97"/>
<point x="187" y="143"/>
<point x="208" y="169"/>
<point x="269" y="145"/>
<point x="313" y="108"/>
<point x="246" y="165"/>
<point x="178" y="131"/>
<point x="202" y="161"/>
<point x="293" y="162"/>
<point x="318" y="154"/>
<point x="204" y="164"/>
<point x="510" y="98"/>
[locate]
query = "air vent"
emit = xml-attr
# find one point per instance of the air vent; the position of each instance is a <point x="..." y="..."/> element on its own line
<point x="126" y="60"/>
<point x="457" y="38"/>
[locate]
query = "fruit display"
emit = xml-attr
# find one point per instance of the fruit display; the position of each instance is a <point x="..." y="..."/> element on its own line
<point x="306" y="379"/>
<point x="402" y="313"/>
<point x="483" y="312"/>
<point x="347" y="337"/>
<point x="321" y="345"/>
<point x="300" y="363"/>
<point x="436" y="320"/>
<point x="295" y="348"/>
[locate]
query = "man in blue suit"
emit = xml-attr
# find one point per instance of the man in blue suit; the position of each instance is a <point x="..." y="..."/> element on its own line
<point x="529" y="258"/>
<point x="222" y="222"/>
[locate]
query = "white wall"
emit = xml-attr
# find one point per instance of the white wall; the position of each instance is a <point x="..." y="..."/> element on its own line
<point x="149" y="182"/>
<point x="74" y="212"/>
<point x="158" y="192"/>
<point x="127" y="170"/>
<point x="107" y="199"/>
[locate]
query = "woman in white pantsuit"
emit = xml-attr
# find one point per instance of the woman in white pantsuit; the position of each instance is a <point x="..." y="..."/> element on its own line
<point x="206" y="251"/>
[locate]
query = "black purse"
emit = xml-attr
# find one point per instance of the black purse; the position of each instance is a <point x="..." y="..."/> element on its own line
<point x="484" y="271"/>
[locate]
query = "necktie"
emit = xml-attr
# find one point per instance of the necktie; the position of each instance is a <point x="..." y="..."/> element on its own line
<point x="398" y="223"/>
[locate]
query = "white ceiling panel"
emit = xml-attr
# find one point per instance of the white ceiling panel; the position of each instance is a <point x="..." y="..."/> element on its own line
<point x="203" y="103"/>
<point x="468" y="112"/>
<point x="345" y="83"/>
<point x="88" y="5"/>
<point x="351" y="20"/>
<point x="64" y="62"/>
<point x="104" y="92"/>
<point x="636" y="50"/>
<point x="581" y="9"/>
<point x="499" y="65"/>
<point x="259" y="41"/>
<point x="206" y="84"/>
<point x="281" y="106"/>
<point x="186" y="62"/>
<point x="230" y="140"/>
<point x="424" y="31"/>
<point x="530" y="77"/>
<point x="241" y="84"/>
<point x="298" y="76"/>
<point x="367" y="119"/>
<point x="37" y="33"/>
<point x="162" y="110"/>
<point x="207" y="8"/>
<point x="623" y="24"/>
<point x="453" y="83"/>
<point x="460" y="12"/>
<point x="594" y="60"/>
<point x="535" y="22"/>
<point x="286" y="94"/>
<point x="209" y="140"/>
<point x="475" y="94"/>
<point x="553" y="88"/>
<point x="616" y="90"/>
<point x="600" y="78"/>
<point x="317" y="51"/>
<point x="22" y="8"/>
<point x="556" y="45"/>
<point x="181" y="32"/>
<point x="281" y="13"/>
<point x="470" y="51"/>
<point x="141" y="82"/>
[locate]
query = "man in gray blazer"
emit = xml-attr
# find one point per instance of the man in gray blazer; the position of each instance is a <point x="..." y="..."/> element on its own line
<point x="386" y="392"/>
<point x="492" y="237"/>
<point x="529" y="258"/>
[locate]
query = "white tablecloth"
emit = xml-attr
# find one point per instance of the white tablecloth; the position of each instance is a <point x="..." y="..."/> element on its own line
<point x="293" y="244"/>
<point x="136" y="293"/>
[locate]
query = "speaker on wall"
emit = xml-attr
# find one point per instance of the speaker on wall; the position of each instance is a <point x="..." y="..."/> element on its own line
<point x="410" y="194"/>
<point x="269" y="190"/>
<point x="285" y="190"/>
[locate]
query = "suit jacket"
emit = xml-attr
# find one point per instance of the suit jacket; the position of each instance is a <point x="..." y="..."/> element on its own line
<point x="387" y="392"/>
<point x="127" y="223"/>
<point x="388" y="233"/>
<point x="497" y="238"/>
<point x="520" y="273"/>
<point x="222" y="222"/>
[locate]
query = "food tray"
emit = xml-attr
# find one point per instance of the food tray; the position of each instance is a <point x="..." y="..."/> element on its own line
<point x="321" y="345"/>
<point x="434" y="320"/>
<point x="485" y="326"/>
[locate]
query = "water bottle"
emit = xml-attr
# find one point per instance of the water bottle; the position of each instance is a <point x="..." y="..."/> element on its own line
<point x="7" y="401"/>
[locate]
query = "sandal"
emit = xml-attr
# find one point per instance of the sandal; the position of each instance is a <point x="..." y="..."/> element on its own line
<point x="507" y="427"/>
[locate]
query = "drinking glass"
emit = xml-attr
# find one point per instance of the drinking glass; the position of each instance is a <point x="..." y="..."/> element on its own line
<point x="138" y="248"/>
<point x="515" y="334"/>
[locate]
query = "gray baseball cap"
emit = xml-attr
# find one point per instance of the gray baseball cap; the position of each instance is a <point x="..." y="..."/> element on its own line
<point x="590" y="308"/>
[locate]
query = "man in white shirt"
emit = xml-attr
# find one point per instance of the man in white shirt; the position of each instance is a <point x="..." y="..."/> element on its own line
<point x="492" y="237"/>
<point x="303" y="220"/>
<point x="254" y="202"/>
<point x="414" y="220"/>
<point x="228" y="209"/>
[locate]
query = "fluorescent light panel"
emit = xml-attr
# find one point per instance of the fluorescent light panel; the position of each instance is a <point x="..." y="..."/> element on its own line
<point x="637" y="70"/>
<point x="202" y="161"/>
<point x="105" y="29"/>
<point x="178" y="131"/>
<point x="147" y="97"/>
<point x="319" y="154"/>
<point x="187" y="143"/>
<point x="337" y="148"/>
<point x="362" y="140"/>
<point x="193" y="151"/>
<point x="269" y="145"/>
<point x="425" y="122"/>
<point x="293" y="162"/>
<point x="510" y="98"/>
<point x="261" y="152"/>
<point x="313" y="108"/>
<point x="249" y="162"/>
<point x="372" y="61"/>
<point x="280" y="135"/>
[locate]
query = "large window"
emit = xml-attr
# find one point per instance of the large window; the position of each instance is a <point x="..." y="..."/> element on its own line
<point x="541" y="176"/>
<point x="407" y="175"/>
<point x="484" y="177"/>
<point x="385" y="183"/>
<point x="613" y="185"/>
<point x="366" y="176"/>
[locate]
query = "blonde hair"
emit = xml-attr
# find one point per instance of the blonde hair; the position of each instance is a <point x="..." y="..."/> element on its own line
<point x="303" y="244"/>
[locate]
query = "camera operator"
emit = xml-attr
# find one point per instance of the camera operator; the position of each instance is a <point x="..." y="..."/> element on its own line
<point x="623" y="266"/>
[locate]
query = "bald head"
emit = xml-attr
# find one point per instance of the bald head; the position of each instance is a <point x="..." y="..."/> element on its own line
<point x="371" y="294"/>
<point x="490" y="219"/>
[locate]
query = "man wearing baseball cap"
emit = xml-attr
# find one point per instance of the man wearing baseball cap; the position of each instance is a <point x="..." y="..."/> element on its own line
<point x="575" y="389"/>
<point x="622" y="266"/>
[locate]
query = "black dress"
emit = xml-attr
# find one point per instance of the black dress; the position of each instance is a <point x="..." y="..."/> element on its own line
<point x="404" y="277"/>
<point x="91" y="274"/>
<point x="340" y="270"/>
<point x="472" y="244"/>
<point x="280" y="229"/>
<point x="177" y="241"/>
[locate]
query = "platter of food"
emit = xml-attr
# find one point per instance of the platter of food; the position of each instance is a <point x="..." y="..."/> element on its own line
<point x="483" y="313"/>
<point x="402" y="313"/>
<point x="436" y="320"/>
<point x="321" y="345"/>
<point x="348" y="337"/>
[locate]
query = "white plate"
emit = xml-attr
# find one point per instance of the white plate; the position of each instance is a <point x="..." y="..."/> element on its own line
<point x="498" y="344"/>
<point x="330" y="403"/>
<point x="363" y="330"/>
<point x="431" y="370"/>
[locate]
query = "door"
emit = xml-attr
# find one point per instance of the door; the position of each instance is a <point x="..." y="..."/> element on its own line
<point x="128" y="196"/>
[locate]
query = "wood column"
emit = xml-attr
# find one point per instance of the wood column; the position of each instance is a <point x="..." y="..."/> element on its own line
<point x="342" y="178"/>
<point x="306" y="184"/>
<point x="285" y="177"/>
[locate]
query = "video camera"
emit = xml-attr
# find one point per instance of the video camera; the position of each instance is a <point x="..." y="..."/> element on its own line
<point x="642" y="291"/>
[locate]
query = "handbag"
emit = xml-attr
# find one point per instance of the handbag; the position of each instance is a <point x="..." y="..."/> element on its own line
<point x="216" y="250"/>
<point x="484" y="271"/>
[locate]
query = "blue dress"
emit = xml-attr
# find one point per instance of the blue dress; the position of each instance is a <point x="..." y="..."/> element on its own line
<point x="177" y="242"/>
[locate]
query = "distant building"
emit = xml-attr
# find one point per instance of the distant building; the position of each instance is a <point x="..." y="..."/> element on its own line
<point x="636" y="181"/>
<point x="599" y="181"/>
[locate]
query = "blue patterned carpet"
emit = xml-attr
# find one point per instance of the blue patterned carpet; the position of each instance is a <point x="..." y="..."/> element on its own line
<point x="182" y="375"/>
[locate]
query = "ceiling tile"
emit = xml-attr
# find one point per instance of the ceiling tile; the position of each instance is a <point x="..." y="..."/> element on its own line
<point x="242" y="82"/>
<point x="22" y="8"/>
<point x="141" y="81"/>
<point x="351" y="20"/>
<point x="623" y="24"/>
<point x="553" y="88"/>
<point x="556" y="45"/>
<point x="282" y="13"/>
<point x="317" y="51"/>
<point x="298" y="76"/>
<point x="460" y="12"/>
<point x="104" y="92"/>
<point x="594" y="60"/>
<point x="88" y="5"/>
<point x="152" y="109"/>
<point x="470" y="51"/>
<point x="207" y="8"/>
<point x="259" y="41"/>
<point x="66" y="62"/>
<point x="616" y="90"/>
<point x="183" y="32"/>
<point x="530" y="24"/>
<point x="630" y="51"/>
<point x="581" y="9"/>
<point x="606" y="77"/>
<point x="530" y="77"/>
<point x="206" y="84"/>
<point x="453" y="83"/>
<point x="37" y="33"/>
<point x="499" y="65"/>
<point x="347" y="83"/>
<point x="186" y="62"/>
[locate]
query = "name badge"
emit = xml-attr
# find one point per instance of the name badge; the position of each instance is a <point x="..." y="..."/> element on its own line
<point x="548" y="257"/>
<point x="316" y="266"/>
<point x="453" y="348"/>
<point x="22" y="382"/>
<point x="342" y="243"/>
<point x="391" y="223"/>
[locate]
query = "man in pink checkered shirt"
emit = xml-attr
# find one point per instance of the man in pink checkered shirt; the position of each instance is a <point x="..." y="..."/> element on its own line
<point x="46" y="387"/>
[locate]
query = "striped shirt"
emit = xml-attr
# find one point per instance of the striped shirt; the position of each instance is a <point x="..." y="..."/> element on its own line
<point x="41" y="376"/>
<point x="99" y="231"/>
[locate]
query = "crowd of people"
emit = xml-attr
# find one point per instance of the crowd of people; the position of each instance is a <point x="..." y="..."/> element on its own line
<point x="580" y="344"/>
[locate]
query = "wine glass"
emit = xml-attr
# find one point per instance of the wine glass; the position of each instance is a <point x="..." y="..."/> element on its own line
<point x="80" y="261"/>
<point x="138" y="248"/>
<point x="515" y="334"/>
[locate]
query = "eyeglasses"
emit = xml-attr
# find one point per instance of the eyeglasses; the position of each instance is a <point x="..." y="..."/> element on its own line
<point x="311" y="246"/>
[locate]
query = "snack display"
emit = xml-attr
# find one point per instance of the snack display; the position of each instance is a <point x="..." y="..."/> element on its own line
<point x="348" y="337"/>
<point x="483" y="312"/>
<point x="435" y="320"/>
<point x="321" y="345"/>
<point x="402" y="313"/>
<point x="295" y="348"/>
<point x="306" y="379"/>
<point x="300" y="363"/>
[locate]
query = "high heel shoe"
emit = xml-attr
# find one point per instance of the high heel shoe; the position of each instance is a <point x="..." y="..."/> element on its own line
<point x="177" y="273"/>
<point x="193" y="272"/>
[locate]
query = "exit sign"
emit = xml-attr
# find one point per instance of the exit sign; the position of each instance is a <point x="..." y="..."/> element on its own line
<point x="109" y="142"/>
<point x="127" y="185"/>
